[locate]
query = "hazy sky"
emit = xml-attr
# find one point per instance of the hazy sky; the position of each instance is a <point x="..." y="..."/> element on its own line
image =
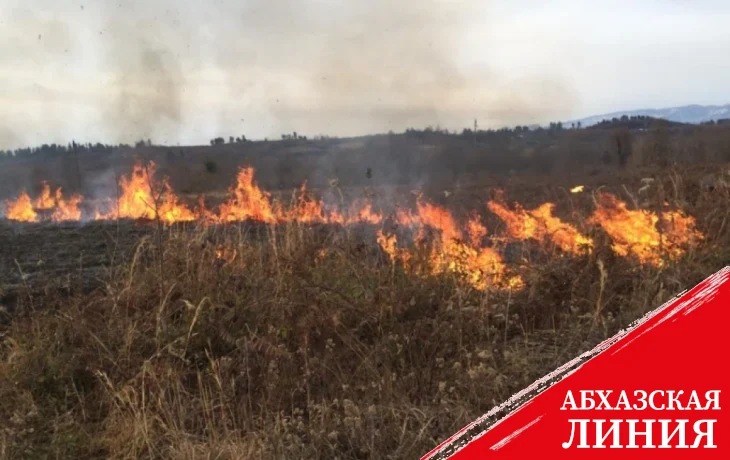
<point x="186" y="71"/>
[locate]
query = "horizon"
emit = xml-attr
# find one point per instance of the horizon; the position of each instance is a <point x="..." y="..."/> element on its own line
<point x="566" y="124"/>
<point x="124" y="71"/>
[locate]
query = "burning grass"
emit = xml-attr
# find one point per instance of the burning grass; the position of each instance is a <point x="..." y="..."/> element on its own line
<point x="467" y="249"/>
<point x="296" y="339"/>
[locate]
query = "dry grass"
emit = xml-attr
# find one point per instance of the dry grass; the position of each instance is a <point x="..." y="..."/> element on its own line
<point x="308" y="343"/>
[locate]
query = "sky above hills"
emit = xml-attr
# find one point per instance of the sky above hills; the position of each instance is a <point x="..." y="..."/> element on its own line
<point x="183" y="72"/>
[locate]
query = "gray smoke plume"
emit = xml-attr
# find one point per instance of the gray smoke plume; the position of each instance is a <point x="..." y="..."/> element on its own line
<point x="124" y="70"/>
<point x="373" y="66"/>
<point x="145" y="85"/>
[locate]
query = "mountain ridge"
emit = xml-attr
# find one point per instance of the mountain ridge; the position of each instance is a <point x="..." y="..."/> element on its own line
<point x="693" y="113"/>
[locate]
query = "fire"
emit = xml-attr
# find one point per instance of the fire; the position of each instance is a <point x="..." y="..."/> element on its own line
<point x="439" y="219"/>
<point x="66" y="210"/>
<point x="389" y="244"/>
<point x="363" y="212"/>
<point x="21" y="209"/>
<point x="142" y="197"/>
<point x="540" y="224"/>
<point x="642" y="233"/>
<point x="203" y="213"/>
<point x="321" y="254"/>
<point x="46" y="199"/>
<point x="476" y="230"/>
<point x="54" y="205"/>
<point x="679" y="231"/>
<point x="443" y="244"/>
<point x="307" y="210"/>
<point x="248" y="201"/>
<point x="577" y="189"/>
<point x="406" y="218"/>
<point x="450" y="253"/>
<point x="171" y="210"/>
<point x="225" y="255"/>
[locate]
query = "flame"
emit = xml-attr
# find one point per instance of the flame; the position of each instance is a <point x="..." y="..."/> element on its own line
<point x="577" y="189"/>
<point x="336" y="217"/>
<point x="450" y="253"/>
<point x="203" y="213"/>
<point x="450" y="247"/>
<point x="21" y="209"/>
<point x="311" y="210"/>
<point x="225" y="255"/>
<point x="321" y="254"/>
<point x="248" y="201"/>
<point x="171" y="210"/>
<point x="46" y="199"/>
<point x="476" y="230"/>
<point x="389" y="244"/>
<point x="641" y="233"/>
<point x="66" y="210"/>
<point x="307" y="210"/>
<point x="363" y="213"/>
<point x="406" y="218"/>
<point x="540" y="224"/>
<point x="142" y="197"/>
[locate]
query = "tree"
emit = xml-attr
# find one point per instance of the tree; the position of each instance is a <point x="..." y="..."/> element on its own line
<point x="622" y="140"/>
<point x="211" y="167"/>
<point x="659" y="145"/>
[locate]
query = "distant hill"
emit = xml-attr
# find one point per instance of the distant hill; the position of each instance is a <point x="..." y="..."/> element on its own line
<point x="634" y="122"/>
<point x="685" y="114"/>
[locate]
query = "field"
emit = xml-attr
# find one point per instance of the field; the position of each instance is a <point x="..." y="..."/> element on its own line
<point x="320" y="330"/>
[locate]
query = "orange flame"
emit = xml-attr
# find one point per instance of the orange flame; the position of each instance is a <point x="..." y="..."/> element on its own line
<point x="476" y="230"/>
<point x="66" y="210"/>
<point x="577" y="189"/>
<point x="21" y="209"/>
<point x="636" y="232"/>
<point x="142" y="197"/>
<point x="46" y="199"/>
<point x="480" y="267"/>
<point x="248" y="201"/>
<point x="389" y="244"/>
<point x="171" y="210"/>
<point x="540" y="224"/>
<point x="453" y="248"/>
<point x="203" y="213"/>
<point x="307" y="210"/>
<point x="363" y="213"/>
<point x="225" y="255"/>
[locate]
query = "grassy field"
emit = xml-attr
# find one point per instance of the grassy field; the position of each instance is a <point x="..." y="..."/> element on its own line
<point x="247" y="340"/>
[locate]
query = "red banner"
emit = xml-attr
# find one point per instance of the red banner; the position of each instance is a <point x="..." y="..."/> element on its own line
<point x="655" y="390"/>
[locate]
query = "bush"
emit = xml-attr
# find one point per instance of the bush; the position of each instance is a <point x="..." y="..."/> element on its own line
<point x="211" y="167"/>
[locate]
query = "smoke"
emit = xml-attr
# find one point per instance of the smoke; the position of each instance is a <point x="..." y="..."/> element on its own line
<point x="380" y="65"/>
<point x="125" y="70"/>
<point x="7" y="136"/>
<point x="145" y="84"/>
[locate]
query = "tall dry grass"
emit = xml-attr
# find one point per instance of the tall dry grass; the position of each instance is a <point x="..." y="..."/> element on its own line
<point x="255" y="341"/>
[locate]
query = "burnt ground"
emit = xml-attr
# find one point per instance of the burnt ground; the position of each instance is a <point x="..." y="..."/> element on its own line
<point x="60" y="256"/>
<point x="38" y="258"/>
